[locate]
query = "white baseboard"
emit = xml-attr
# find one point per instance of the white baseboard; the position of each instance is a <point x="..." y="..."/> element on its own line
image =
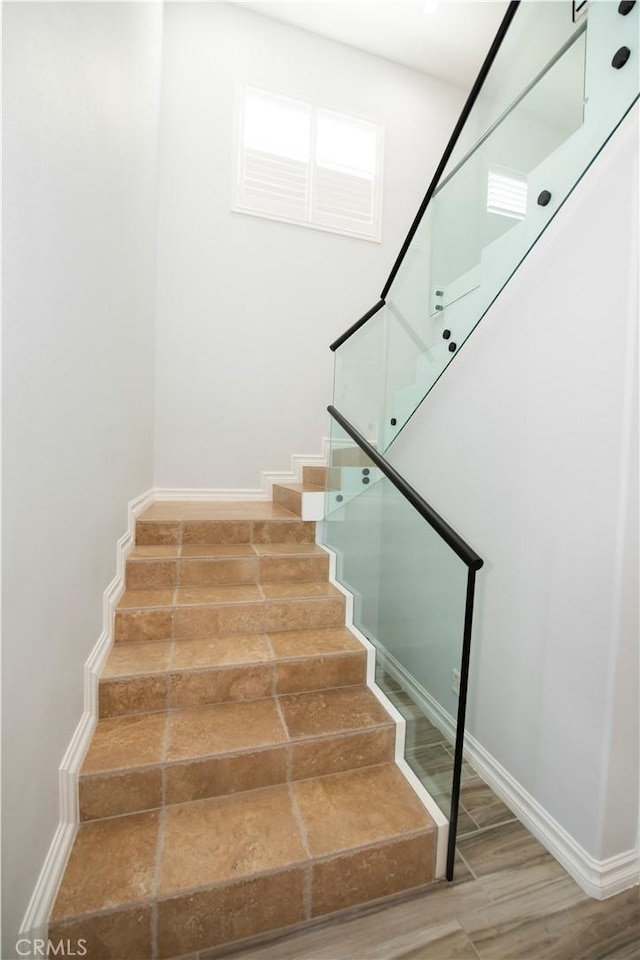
<point x="264" y="492"/>
<point x="34" y="922"/>
<point x="599" y="879"/>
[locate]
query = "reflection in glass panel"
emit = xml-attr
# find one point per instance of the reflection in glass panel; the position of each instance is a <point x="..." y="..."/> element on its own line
<point x="409" y="592"/>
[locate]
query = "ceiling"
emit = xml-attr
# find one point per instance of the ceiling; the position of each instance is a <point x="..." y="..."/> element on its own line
<point x="447" y="39"/>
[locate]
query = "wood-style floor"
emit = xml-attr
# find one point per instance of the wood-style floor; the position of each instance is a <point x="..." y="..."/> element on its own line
<point x="510" y="899"/>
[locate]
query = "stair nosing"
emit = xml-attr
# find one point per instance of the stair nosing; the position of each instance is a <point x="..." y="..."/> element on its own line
<point x="273" y="745"/>
<point x="334" y="654"/>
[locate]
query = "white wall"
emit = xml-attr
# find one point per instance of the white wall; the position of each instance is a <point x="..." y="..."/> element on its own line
<point x="81" y="92"/>
<point x="527" y="446"/>
<point x="247" y="307"/>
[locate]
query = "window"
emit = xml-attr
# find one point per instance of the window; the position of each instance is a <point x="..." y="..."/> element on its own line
<point x="306" y="164"/>
<point x="507" y="193"/>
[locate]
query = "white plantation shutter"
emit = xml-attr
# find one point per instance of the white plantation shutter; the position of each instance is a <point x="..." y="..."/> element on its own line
<point x="275" y="148"/>
<point x="305" y="164"/>
<point x="507" y="193"/>
<point x="346" y="156"/>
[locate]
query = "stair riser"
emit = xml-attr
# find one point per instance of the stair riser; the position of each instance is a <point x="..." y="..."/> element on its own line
<point x="152" y="787"/>
<point x="144" y="694"/>
<point x="289" y="499"/>
<point x="183" y="623"/>
<point x="157" y="574"/>
<point x="314" y="475"/>
<point x="211" y="532"/>
<point x="244" y="910"/>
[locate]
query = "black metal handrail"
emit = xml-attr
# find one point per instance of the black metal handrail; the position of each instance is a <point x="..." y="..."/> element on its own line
<point x="442" y="528"/>
<point x="356" y="326"/>
<point x="457" y="130"/>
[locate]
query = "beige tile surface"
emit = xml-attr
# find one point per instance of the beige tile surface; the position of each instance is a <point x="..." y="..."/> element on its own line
<point x="136" y="599"/>
<point x="229" y="838"/>
<point x="361" y="807"/>
<point x="220" y="619"/>
<point x="218" y="651"/>
<point x="217" y="776"/>
<point x="222" y="593"/>
<point x="132" y="695"/>
<point x="290" y="549"/>
<point x="314" y="758"/>
<point x="224" y="728"/>
<point x="132" y="626"/>
<point x="116" y="794"/>
<point x="326" y="712"/>
<point x="123" y="742"/>
<point x="98" y="876"/>
<point x="118" y="935"/>
<point x="217" y="551"/>
<point x="245" y="909"/>
<point x="282" y="531"/>
<point x="309" y="643"/>
<point x="129" y="659"/>
<point x="150" y="574"/>
<point x="154" y="552"/>
<point x="209" y="572"/>
<point x="158" y="533"/>
<point x="304" y="614"/>
<point x="247" y="682"/>
<point x="370" y="874"/>
<point x="293" y="568"/>
<point x="197" y="532"/>
<point x="299" y="591"/>
<point x="339" y="670"/>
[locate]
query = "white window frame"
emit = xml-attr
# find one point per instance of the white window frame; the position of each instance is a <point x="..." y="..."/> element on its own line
<point x="312" y="217"/>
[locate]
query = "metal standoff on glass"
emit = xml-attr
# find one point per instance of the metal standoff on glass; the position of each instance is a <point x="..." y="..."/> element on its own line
<point x="393" y="421"/>
<point x="543" y="198"/>
<point x="620" y="57"/>
<point x="453" y="347"/>
<point x="446" y="334"/>
<point x="626" y="7"/>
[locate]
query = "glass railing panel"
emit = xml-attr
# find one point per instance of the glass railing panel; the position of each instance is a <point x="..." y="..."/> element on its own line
<point x="490" y="209"/>
<point x="489" y="195"/>
<point x="370" y="368"/>
<point x="534" y="37"/>
<point x="409" y="590"/>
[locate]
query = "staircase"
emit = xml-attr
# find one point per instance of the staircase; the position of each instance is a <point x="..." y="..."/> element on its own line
<point x="241" y="777"/>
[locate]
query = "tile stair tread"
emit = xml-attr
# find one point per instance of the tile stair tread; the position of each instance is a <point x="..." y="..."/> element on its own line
<point x="177" y="656"/>
<point x="233" y="551"/>
<point x="300" y="487"/>
<point x="220" y="594"/>
<point x="189" y="733"/>
<point x="207" y="843"/>
<point x="172" y="511"/>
